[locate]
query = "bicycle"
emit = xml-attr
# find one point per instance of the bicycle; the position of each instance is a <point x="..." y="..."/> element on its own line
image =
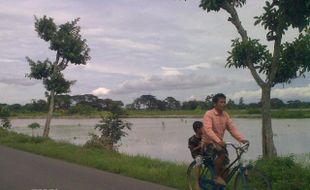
<point x="247" y="177"/>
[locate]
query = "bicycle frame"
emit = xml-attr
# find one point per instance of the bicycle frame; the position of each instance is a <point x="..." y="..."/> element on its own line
<point x="228" y="173"/>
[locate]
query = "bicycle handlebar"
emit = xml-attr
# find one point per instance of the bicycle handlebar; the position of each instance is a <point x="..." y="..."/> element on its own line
<point x="239" y="149"/>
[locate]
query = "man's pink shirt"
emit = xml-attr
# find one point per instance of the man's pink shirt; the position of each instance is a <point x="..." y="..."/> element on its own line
<point x="215" y="124"/>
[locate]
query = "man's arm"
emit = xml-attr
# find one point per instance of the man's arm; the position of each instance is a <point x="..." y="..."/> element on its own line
<point x="233" y="130"/>
<point x="207" y="127"/>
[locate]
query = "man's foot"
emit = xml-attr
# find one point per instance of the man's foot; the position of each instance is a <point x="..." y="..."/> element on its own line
<point x="219" y="180"/>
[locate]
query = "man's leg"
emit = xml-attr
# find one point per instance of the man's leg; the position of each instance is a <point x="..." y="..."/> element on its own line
<point x="218" y="168"/>
<point x="197" y="175"/>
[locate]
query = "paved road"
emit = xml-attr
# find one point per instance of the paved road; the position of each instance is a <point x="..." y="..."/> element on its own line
<point x="25" y="171"/>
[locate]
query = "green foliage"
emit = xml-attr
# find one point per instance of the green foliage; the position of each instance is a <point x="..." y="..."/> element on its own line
<point x="112" y="129"/>
<point x="279" y="15"/>
<point x="66" y="40"/>
<point x="253" y="111"/>
<point x="251" y="51"/>
<point x="6" y="123"/>
<point x="98" y="142"/>
<point x="295" y="59"/>
<point x="285" y="173"/>
<point x="82" y="109"/>
<point x="4" y="115"/>
<point x="58" y="83"/>
<point x="45" y="27"/>
<point x="39" y="70"/>
<point x="283" y="113"/>
<point x="34" y="125"/>
<point x="216" y="5"/>
<point x="294" y="56"/>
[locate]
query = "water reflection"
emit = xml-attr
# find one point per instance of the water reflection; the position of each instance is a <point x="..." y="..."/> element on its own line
<point x="167" y="138"/>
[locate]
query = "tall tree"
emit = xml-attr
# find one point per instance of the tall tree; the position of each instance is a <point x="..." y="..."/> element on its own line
<point x="148" y="102"/>
<point x="241" y="103"/>
<point x="209" y="102"/>
<point x="172" y="103"/>
<point x="69" y="48"/>
<point x="285" y="62"/>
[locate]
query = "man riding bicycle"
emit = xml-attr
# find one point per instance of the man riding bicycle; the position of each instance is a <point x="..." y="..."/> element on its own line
<point x="216" y="121"/>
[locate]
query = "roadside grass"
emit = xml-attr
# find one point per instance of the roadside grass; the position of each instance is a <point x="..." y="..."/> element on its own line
<point x="140" y="167"/>
<point x="285" y="172"/>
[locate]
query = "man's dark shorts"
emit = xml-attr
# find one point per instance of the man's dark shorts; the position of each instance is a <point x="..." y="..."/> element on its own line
<point x="211" y="152"/>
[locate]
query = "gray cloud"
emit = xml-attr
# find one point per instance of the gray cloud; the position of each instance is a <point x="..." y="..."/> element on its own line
<point x="166" y="47"/>
<point x="17" y="81"/>
<point x="165" y="82"/>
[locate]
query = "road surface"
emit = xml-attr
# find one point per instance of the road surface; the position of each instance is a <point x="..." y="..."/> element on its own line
<point x="21" y="170"/>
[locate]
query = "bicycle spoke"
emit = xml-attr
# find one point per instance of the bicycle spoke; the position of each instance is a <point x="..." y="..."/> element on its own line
<point x="252" y="179"/>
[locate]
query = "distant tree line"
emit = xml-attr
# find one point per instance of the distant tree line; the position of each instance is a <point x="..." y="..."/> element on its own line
<point x="88" y="103"/>
<point x="78" y="104"/>
<point x="150" y="102"/>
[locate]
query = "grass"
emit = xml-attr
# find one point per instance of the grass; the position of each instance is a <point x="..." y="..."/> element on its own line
<point x="284" y="172"/>
<point x="140" y="167"/>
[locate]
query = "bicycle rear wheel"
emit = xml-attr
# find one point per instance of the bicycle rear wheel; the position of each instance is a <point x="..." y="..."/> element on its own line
<point x="191" y="178"/>
<point x="252" y="179"/>
<point x="205" y="182"/>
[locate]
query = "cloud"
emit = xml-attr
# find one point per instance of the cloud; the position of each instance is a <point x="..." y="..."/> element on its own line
<point x="290" y="93"/>
<point x="17" y="81"/>
<point x="128" y="43"/>
<point x="164" y="82"/>
<point x="101" y="91"/>
<point x="170" y="71"/>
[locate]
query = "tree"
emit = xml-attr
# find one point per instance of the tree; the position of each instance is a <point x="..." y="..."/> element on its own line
<point x="209" y="102"/>
<point x="34" y="126"/>
<point x="193" y="105"/>
<point x="69" y="47"/>
<point x="112" y="130"/>
<point x="276" y="103"/>
<point x="148" y="102"/>
<point x="172" y="103"/>
<point x="231" y="104"/>
<point x="286" y="62"/>
<point x="294" y="103"/>
<point x="62" y="102"/>
<point x="241" y="104"/>
<point x="4" y="116"/>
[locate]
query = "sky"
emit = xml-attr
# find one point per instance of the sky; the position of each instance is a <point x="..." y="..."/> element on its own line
<point x="163" y="47"/>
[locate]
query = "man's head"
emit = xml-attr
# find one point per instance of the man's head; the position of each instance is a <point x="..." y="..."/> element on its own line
<point x="219" y="101"/>
<point x="197" y="126"/>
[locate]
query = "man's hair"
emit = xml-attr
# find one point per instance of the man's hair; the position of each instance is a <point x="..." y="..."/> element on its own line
<point x="217" y="96"/>
<point x="197" y="125"/>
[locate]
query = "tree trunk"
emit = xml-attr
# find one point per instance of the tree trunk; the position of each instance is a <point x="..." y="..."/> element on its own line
<point x="49" y="115"/>
<point x="269" y="149"/>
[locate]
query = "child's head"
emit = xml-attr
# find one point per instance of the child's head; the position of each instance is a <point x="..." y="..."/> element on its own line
<point x="197" y="126"/>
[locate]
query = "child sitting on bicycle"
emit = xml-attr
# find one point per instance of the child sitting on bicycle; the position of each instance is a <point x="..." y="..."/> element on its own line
<point x="194" y="145"/>
<point x="216" y="121"/>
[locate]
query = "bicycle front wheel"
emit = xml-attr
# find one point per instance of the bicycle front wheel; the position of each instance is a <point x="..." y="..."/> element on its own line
<point x="252" y="179"/>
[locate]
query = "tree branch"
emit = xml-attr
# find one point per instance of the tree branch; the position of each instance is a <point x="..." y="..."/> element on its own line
<point x="275" y="59"/>
<point x="234" y="19"/>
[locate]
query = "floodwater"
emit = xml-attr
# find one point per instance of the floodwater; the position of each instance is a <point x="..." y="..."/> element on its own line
<point x="166" y="138"/>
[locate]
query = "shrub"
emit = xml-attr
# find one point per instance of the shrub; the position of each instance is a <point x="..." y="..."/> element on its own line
<point x="33" y="126"/>
<point x="4" y="115"/>
<point x="112" y="130"/>
<point x="285" y="173"/>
